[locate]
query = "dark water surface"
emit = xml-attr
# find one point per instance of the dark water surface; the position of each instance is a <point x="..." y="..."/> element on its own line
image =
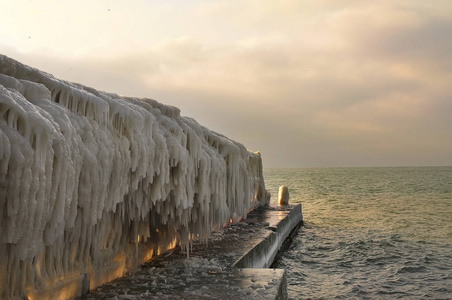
<point x="369" y="232"/>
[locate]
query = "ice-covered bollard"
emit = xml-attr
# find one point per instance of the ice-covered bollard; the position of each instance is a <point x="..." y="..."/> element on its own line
<point x="283" y="195"/>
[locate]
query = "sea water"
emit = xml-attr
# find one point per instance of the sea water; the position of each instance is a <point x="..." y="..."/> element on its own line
<point x="369" y="233"/>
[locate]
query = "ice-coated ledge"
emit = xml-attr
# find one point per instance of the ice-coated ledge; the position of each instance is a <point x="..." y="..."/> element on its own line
<point x="281" y="223"/>
<point x="212" y="271"/>
<point x="93" y="184"/>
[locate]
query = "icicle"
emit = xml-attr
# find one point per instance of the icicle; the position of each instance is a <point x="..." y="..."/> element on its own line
<point x="85" y="174"/>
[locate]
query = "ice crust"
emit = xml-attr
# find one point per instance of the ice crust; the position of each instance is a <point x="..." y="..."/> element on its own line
<point x="89" y="179"/>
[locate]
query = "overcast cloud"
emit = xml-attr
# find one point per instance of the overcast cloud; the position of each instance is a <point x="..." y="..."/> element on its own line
<point x="307" y="83"/>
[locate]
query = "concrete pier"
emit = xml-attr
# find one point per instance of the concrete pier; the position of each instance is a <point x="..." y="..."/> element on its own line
<point x="233" y="264"/>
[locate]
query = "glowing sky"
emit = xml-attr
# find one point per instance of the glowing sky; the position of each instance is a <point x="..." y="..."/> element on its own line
<point x="308" y="83"/>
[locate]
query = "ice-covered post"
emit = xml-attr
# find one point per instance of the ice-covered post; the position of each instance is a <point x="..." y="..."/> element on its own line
<point x="283" y="195"/>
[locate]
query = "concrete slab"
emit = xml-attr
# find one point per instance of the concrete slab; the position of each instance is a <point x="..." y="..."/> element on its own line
<point x="231" y="265"/>
<point x="281" y="224"/>
<point x="196" y="284"/>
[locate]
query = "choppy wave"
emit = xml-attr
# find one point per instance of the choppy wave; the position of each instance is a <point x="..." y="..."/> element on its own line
<point x="370" y="233"/>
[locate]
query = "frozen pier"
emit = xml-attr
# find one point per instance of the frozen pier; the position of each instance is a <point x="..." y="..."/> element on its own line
<point x="234" y="264"/>
<point x="93" y="184"/>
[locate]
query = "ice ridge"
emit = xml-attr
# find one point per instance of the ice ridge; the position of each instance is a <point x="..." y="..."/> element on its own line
<point x="92" y="183"/>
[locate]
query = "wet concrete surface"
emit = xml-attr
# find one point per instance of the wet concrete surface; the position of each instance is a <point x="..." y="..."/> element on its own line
<point x="209" y="272"/>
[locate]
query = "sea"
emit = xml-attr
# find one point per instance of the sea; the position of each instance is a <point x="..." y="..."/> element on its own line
<point x="369" y="233"/>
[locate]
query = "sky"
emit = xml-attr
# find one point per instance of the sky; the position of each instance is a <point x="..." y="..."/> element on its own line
<point x="315" y="83"/>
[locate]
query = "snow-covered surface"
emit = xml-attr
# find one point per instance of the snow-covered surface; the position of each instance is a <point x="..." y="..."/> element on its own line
<point x="92" y="182"/>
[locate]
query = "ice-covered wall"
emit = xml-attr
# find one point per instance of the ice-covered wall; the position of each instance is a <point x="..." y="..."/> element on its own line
<point x="93" y="184"/>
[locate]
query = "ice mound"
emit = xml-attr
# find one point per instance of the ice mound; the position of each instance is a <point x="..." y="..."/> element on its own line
<point x="92" y="183"/>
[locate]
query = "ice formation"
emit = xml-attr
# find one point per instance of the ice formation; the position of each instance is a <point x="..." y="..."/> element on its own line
<point x="283" y="195"/>
<point x="92" y="183"/>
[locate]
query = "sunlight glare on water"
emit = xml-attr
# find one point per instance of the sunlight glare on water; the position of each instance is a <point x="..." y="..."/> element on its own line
<point x="369" y="232"/>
